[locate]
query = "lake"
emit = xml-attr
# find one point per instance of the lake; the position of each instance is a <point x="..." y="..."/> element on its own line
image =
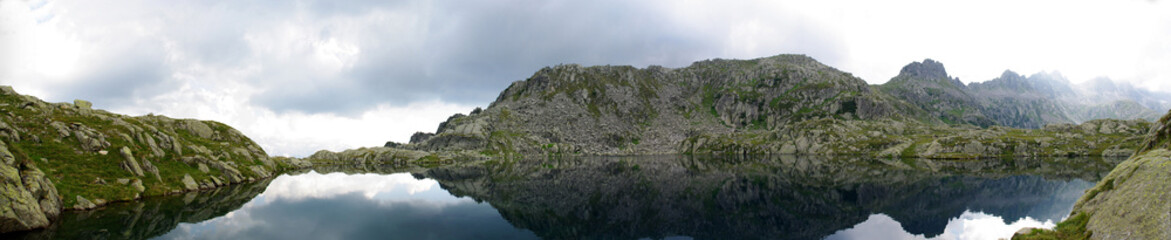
<point x="655" y="197"/>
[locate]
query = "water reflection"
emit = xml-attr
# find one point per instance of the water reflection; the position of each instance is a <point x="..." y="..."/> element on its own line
<point x="761" y="198"/>
<point x="364" y="206"/>
<point x="673" y="197"/>
<point x="147" y="218"/>
<point x="969" y="225"/>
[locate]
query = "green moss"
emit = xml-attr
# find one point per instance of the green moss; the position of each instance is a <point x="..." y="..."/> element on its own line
<point x="1105" y="186"/>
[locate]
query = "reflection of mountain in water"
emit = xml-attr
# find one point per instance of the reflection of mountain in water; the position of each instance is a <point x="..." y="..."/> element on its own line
<point x="779" y="197"/>
<point x="150" y="217"/>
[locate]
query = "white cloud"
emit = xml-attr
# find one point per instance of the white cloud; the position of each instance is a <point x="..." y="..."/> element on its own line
<point x="296" y="133"/>
<point x="316" y="185"/>
<point x="968" y="226"/>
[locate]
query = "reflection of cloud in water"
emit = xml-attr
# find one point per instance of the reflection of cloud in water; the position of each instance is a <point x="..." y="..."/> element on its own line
<point x="316" y="185"/>
<point x="369" y="206"/>
<point x="969" y="225"/>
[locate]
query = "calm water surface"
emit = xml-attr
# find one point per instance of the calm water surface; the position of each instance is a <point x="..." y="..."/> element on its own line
<point x="617" y="198"/>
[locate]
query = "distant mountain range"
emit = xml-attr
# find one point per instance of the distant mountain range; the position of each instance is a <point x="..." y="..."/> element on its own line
<point x="1015" y="100"/>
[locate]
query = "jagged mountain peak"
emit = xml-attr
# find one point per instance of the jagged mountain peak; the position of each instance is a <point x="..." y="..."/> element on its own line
<point x="927" y="69"/>
<point x="927" y="73"/>
<point x="1009" y="74"/>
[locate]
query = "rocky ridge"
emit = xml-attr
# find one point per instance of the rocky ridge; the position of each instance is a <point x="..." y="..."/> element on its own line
<point x="789" y="104"/>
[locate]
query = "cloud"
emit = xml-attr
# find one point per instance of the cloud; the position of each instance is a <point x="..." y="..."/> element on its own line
<point x="316" y="185"/>
<point x="969" y="225"/>
<point x="354" y="217"/>
<point x="291" y="63"/>
<point x="302" y="208"/>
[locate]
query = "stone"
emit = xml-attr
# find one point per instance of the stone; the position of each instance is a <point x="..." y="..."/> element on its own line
<point x="83" y="203"/>
<point x="20" y="208"/>
<point x="83" y="104"/>
<point x="129" y="164"/>
<point x="103" y="152"/>
<point x="123" y="181"/>
<point x="137" y="185"/>
<point x="99" y="181"/>
<point x="150" y="168"/>
<point x="203" y="168"/>
<point x="197" y="128"/>
<point x="189" y="183"/>
<point x="6" y="157"/>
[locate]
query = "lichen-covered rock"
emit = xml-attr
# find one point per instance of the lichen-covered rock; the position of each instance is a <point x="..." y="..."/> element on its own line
<point x="189" y="183"/>
<point x="137" y="185"/>
<point x="27" y="199"/>
<point x="82" y="104"/>
<point x="83" y="203"/>
<point x="128" y="162"/>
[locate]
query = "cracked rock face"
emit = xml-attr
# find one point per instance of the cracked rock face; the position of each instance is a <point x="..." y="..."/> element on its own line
<point x="29" y="200"/>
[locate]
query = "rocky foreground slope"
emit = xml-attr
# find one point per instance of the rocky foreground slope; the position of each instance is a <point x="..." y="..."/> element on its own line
<point x="56" y="156"/>
<point x="789" y="104"/>
<point x="1132" y="202"/>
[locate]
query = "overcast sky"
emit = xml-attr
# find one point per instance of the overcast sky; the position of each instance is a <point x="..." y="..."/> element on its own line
<point x="299" y="76"/>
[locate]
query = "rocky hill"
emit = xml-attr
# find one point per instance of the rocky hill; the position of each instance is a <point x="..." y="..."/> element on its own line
<point x="780" y="104"/>
<point x="56" y="156"/>
<point x="621" y="109"/>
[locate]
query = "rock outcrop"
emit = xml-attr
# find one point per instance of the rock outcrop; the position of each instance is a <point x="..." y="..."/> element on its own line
<point x="59" y="155"/>
<point x="1133" y="201"/>
<point x="29" y="200"/>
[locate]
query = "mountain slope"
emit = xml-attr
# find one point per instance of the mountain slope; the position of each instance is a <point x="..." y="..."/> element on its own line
<point x="1013" y="100"/>
<point x="621" y="109"/>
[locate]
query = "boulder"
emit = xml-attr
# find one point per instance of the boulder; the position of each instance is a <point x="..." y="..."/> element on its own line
<point x="137" y="185"/>
<point x="189" y="183"/>
<point x="28" y="199"/>
<point x="129" y="164"/>
<point x="83" y="204"/>
<point x="83" y="104"/>
<point x="197" y="128"/>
